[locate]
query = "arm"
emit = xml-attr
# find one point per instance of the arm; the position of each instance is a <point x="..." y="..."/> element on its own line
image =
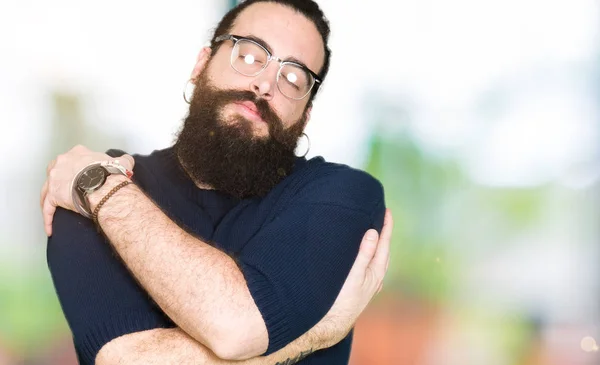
<point x="104" y="305"/>
<point x="176" y="270"/>
<point x="173" y="346"/>
<point x="107" y="310"/>
<point x="171" y="265"/>
<point x="198" y="286"/>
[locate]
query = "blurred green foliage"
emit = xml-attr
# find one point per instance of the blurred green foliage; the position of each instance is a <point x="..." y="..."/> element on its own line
<point x="30" y="314"/>
<point x="416" y="188"/>
<point x="441" y="216"/>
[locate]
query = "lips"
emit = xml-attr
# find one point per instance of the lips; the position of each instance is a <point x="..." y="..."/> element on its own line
<point x="250" y="105"/>
<point x="250" y="110"/>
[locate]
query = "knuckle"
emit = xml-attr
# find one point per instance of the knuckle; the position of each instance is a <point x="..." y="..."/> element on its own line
<point x="50" y="165"/>
<point x="52" y="175"/>
<point x="77" y="150"/>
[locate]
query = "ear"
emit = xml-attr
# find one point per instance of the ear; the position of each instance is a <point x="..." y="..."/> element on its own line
<point x="201" y="61"/>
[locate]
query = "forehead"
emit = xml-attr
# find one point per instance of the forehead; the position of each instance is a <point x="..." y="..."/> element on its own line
<point x="287" y="32"/>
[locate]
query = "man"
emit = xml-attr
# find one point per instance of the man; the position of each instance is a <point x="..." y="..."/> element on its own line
<point x="241" y="246"/>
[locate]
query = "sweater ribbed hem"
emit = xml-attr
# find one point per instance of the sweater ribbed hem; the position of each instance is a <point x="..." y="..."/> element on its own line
<point x="89" y="342"/>
<point x="270" y="308"/>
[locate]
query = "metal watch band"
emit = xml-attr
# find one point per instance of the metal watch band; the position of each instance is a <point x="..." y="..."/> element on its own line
<point x="80" y="201"/>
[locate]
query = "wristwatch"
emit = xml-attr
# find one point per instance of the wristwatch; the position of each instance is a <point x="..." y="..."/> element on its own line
<point x="91" y="178"/>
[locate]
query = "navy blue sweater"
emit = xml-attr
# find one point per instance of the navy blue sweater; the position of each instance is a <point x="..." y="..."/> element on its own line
<point x="295" y="247"/>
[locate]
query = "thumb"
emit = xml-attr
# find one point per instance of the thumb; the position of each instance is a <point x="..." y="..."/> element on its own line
<point x="127" y="161"/>
<point x="367" y="250"/>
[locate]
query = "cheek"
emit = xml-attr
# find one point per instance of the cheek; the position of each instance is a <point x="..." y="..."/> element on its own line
<point x="222" y="76"/>
<point x="291" y="114"/>
<point x="222" y="79"/>
<point x="288" y="110"/>
<point x="286" y="113"/>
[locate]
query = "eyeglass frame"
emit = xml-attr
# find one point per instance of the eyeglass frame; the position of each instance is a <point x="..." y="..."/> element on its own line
<point x="236" y="39"/>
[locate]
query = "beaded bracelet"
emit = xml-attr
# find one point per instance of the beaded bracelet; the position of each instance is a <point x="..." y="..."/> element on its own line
<point x="106" y="197"/>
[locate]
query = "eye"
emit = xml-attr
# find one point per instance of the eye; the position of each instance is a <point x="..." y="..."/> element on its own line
<point x="249" y="59"/>
<point x="291" y="79"/>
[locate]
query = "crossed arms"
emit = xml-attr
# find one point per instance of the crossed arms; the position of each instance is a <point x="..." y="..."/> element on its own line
<point x="173" y="346"/>
<point x="173" y="265"/>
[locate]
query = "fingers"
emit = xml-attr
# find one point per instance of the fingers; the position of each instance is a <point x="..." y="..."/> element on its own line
<point x="367" y="249"/>
<point x="382" y="255"/>
<point x="79" y="149"/>
<point x="44" y="203"/>
<point x="43" y="193"/>
<point x="48" y="210"/>
<point x="50" y="166"/>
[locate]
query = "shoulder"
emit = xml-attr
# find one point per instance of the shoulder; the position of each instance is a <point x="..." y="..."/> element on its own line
<point x="327" y="182"/>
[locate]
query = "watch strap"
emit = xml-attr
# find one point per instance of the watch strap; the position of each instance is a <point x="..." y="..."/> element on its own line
<point x="80" y="201"/>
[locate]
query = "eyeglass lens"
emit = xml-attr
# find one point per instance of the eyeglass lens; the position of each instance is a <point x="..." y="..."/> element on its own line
<point x="248" y="58"/>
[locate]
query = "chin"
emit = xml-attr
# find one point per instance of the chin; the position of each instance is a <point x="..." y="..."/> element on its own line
<point x="259" y="129"/>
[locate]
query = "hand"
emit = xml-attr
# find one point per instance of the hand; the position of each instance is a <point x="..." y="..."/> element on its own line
<point x="363" y="282"/>
<point x="173" y="346"/>
<point x="60" y="173"/>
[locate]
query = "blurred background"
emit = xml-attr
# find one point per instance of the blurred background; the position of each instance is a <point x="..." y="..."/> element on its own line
<point x="481" y="119"/>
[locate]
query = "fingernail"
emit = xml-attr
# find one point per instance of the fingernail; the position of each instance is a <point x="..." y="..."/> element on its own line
<point x="371" y="235"/>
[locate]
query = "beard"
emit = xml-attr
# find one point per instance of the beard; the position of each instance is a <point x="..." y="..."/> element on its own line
<point x="226" y="154"/>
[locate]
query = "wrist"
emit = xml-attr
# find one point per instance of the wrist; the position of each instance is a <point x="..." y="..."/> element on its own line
<point x="325" y="334"/>
<point x="111" y="181"/>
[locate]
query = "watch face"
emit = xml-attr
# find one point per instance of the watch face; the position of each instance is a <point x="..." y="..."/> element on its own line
<point x="92" y="178"/>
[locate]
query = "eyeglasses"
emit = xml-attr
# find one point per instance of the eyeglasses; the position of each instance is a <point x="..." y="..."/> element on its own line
<point x="250" y="58"/>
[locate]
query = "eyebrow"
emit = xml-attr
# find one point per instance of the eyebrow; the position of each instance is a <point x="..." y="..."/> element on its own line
<point x="263" y="43"/>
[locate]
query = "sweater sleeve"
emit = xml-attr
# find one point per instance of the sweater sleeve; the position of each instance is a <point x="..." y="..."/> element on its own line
<point x="100" y="299"/>
<point x="297" y="263"/>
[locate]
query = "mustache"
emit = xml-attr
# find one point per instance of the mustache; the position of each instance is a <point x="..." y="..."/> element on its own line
<point x="263" y="108"/>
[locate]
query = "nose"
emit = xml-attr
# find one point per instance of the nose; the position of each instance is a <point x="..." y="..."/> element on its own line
<point x="262" y="89"/>
<point x="264" y="84"/>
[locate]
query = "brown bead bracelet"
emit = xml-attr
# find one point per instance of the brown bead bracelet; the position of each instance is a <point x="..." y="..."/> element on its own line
<point x="106" y="197"/>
